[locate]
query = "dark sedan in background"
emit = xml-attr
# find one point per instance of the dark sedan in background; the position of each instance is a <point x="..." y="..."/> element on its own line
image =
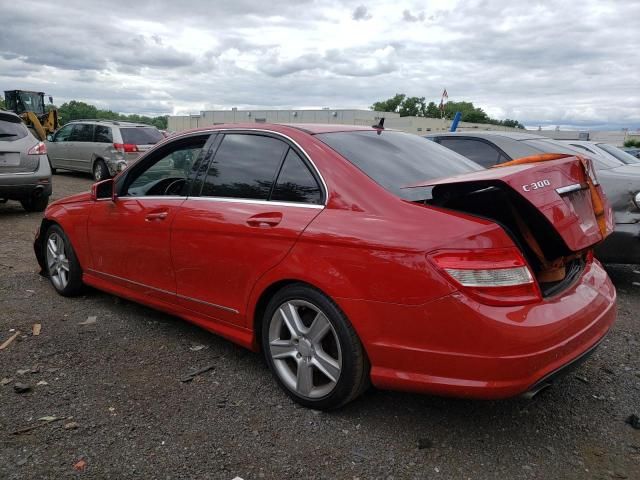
<point x="621" y="182"/>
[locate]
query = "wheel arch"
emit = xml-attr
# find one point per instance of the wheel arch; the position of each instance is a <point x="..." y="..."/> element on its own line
<point x="262" y="301"/>
<point x="38" y="246"/>
<point x="267" y="294"/>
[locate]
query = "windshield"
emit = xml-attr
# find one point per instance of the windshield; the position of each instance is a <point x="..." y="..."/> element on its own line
<point x="31" y="102"/>
<point x="619" y="154"/>
<point x="545" y="145"/>
<point x="10" y="131"/>
<point x="396" y="160"/>
<point x="141" y="135"/>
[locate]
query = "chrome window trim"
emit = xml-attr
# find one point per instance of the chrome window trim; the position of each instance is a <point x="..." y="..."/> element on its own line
<point x="226" y="200"/>
<point x="262" y="130"/>
<point x="229" y="309"/>
<point x="153" y="197"/>
<point x="569" y="188"/>
<point x="258" y="202"/>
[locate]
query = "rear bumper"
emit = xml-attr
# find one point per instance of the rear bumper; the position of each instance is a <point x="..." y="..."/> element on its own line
<point x="19" y="189"/>
<point x="454" y="346"/>
<point x="18" y="186"/>
<point x="622" y="246"/>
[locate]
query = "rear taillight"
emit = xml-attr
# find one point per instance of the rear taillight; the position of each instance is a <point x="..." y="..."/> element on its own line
<point x="493" y="276"/>
<point x="126" y="147"/>
<point x="38" y="149"/>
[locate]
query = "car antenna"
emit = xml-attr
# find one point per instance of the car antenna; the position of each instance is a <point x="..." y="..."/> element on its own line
<point x="380" y="124"/>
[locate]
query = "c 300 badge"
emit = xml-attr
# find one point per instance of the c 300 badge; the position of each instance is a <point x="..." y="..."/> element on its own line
<point x="536" y="185"/>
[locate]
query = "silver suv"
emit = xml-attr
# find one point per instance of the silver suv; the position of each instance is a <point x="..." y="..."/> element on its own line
<point x="25" y="174"/>
<point x="100" y="147"/>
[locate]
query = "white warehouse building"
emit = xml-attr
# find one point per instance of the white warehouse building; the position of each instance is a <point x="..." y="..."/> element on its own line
<point x="332" y="116"/>
<point x="417" y="125"/>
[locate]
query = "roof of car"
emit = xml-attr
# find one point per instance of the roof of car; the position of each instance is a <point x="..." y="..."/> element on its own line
<point x="111" y="122"/>
<point x="488" y="134"/>
<point x="311" y="128"/>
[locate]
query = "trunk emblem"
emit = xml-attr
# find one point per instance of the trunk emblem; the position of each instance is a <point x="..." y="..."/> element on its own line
<point x="536" y="185"/>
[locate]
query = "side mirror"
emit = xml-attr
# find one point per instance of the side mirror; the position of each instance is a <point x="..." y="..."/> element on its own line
<point x="49" y="138"/>
<point x="103" y="190"/>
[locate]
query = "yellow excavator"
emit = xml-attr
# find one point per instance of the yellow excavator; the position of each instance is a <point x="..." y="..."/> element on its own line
<point x="30" y="107"/>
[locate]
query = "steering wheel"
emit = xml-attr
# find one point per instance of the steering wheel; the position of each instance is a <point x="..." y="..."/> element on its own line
<point x="175" y="187"/>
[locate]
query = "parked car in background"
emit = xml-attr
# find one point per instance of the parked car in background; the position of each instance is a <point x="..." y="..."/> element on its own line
<point x="633" y="151"/>
<point x="100" y="147"/>
<point x="25" y="174"/>
<point x="620" y="182"/>
<point x="606" y="150"/>
<point x="310" y="243"/>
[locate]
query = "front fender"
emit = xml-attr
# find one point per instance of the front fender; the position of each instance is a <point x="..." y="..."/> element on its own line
<point x="73" y="219"/>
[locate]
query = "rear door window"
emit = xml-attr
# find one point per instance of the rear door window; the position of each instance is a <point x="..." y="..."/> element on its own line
<point x="476" y="150"/>
<point x="140" y="135"/>
<point x="81" y="132"/>
<point x="103" y="134"/>
<point x="296" y="183"/>
<point x="245" y="166"/>
<point x="10" y="131"/>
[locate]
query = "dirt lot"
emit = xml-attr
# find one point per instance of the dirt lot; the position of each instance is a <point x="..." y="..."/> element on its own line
<point x="115" y="386"/>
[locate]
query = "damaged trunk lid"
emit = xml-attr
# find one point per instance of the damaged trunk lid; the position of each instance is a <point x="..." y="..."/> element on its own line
<point x="548" y="208"/>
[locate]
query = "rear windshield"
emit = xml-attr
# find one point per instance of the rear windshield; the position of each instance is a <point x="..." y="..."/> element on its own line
<point x="619" y="154"/>
<point x="141" y="135"/>
<point x="396" y="160"/>
<point x="10" y="131"/>
<point x="554" y="146"/>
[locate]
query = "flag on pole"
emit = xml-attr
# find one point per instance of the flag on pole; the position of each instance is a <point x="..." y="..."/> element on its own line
<point x="443" y="101"/>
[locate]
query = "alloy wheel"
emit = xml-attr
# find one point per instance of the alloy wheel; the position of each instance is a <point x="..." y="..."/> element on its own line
<point x="57" y="261"/>
<point x="97" y="172"/>
<point x="305" y="349"/>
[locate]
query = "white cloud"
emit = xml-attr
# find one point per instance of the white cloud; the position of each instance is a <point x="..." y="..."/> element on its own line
<point x="542" y="63"/>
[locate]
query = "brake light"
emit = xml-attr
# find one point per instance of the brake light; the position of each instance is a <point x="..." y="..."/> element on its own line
<point x="38" y="149"/>
<point x="126" y="147"/>
<point x="493" y="276"/>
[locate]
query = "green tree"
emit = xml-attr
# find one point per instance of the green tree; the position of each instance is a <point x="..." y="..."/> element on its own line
<point x="390" y="105"/>
<point x="75" y="110"/>
<point x="416" y="107"/>
<point x="2" y="103"/>
<point x="413" y="107"/>
<point x="507" y="122"/>
<point x="470" y="113"/>
<point x="432" y="111"/>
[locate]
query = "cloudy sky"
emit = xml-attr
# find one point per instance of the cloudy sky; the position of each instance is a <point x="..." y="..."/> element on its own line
<point x="543" y="63"/>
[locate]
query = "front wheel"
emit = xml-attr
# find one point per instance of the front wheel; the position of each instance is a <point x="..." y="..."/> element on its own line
<point x="312" y="349"/>
<point x="62" y="264"/>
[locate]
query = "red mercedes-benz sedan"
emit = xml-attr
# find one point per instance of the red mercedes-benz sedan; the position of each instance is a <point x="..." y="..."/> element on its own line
<point x="351" y="255"/>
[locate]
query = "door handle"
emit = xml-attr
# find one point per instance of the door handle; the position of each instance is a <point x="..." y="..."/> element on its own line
<point x="150" y="217"/>
<point x="271" y="219"/>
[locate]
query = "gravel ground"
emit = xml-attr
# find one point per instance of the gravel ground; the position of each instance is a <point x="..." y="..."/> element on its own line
<point x="120" y="409"/>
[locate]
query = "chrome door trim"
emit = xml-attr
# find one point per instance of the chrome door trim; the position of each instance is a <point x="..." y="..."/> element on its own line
<point x="222" y="307"/>
<point x="228" y="200"/>
<point x="257" y="202"/>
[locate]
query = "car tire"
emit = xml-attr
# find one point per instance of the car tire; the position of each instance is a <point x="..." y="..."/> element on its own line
<point x="319" y="365"/>
<point x="35" y="204"/>
<point x="100" y="171"/>
<point x="61" y="263"/>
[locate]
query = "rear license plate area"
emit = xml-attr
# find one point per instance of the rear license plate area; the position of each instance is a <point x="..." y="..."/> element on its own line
<point x="9" y="159"/>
